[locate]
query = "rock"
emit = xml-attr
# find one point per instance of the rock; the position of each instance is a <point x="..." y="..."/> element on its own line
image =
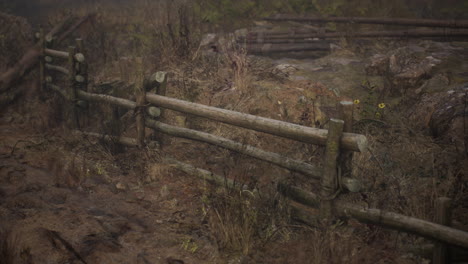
<point x="405" y="68"/>
<point x="286" y="69"/>
<point x="121" y="186"/>
<point x="450" y="117"/>
<point x="164" y="192"/>
<point x="378" y="65"/>
<point x="443" y="115"/>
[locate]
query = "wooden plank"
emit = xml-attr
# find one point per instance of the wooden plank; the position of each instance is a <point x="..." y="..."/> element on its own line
<point x="329" y="180"/>
<point x="443" y="217"/>
<point x="349" y="141"/>
<point x="447" y="23"/>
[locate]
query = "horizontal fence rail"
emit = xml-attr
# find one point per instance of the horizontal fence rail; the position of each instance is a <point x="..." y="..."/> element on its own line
<point x="384" y="218"/>
<point x="349" y="141"/>
<point x="57" y="68"/>
<point x="64" y="55"/>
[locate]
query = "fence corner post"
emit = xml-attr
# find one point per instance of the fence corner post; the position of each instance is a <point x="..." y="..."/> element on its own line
<point x="442" y="216"/>
<point x="140" y="95"/>
<point x="329" y="181"/>
<point x="72" y="90"/>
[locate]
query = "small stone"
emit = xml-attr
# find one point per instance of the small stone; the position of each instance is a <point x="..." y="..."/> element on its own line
<point x="121" y="186"/>
<point x="164" y="192"/>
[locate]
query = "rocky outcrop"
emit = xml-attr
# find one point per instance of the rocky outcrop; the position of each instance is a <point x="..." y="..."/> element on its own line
<point x="410" y="70"/>
<point x="445" y="116"/>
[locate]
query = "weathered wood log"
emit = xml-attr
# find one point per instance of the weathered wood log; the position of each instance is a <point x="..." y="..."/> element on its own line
<point x="443" y="217"/>
<point x="270" y="48"/>
<point x="56" y="53"/>
<point x="201" y="173"/>
<point x="152" y="111"/>
<point x="329" y="181"/>
<point x="405" y="223"/>
<point x="248" y="150"/>
<point x="345" y="113"/>
<point x="299" y="195"/>
<point x="271" y="157"/>
<point x="29" y="59"/>
<point x="252" y="38"/>
<point x="57" y="68"/>
<point x="140" y="95"/>
<point x="376" y="20"/>
<point x="158" y="82"/>
<point x="349" y="141"/>
<point x="390" y="220"/>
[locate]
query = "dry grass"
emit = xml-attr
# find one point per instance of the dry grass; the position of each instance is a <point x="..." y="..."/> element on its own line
<point x="405" y="171"/>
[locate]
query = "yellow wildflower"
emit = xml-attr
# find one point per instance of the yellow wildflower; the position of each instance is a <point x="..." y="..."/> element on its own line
<point x="381" y="105"/>
<point x="378" y="115"/>
<point x="356" y="101"/>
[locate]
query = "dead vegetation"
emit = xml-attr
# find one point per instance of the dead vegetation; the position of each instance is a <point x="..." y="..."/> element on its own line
<point x="404" y="171"/>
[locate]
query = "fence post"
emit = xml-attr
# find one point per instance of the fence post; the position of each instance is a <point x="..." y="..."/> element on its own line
<point x="72" y="89"/>
<point x="345" y="113"/>
<point x="140" y="95"/>
<point x="42" y="60"/>
<point x="443" y="217"/>
<point x="160" y="79"/>
<point x="82" y="77"/>
<point x="329" y="181"/>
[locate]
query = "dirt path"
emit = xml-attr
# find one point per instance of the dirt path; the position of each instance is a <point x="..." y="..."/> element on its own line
<point x="104" y="216"/>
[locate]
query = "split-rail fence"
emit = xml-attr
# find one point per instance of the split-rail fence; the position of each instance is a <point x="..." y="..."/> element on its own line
<point x="339" y="140"/>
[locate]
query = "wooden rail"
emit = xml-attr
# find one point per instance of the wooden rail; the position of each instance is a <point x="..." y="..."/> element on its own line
<point x="349" y="141"/>
<point x="380" y="217"/>
<point x="57" y="68"/>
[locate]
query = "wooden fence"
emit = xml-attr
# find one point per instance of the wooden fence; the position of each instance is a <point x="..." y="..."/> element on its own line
<point x="339" y="140"/>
